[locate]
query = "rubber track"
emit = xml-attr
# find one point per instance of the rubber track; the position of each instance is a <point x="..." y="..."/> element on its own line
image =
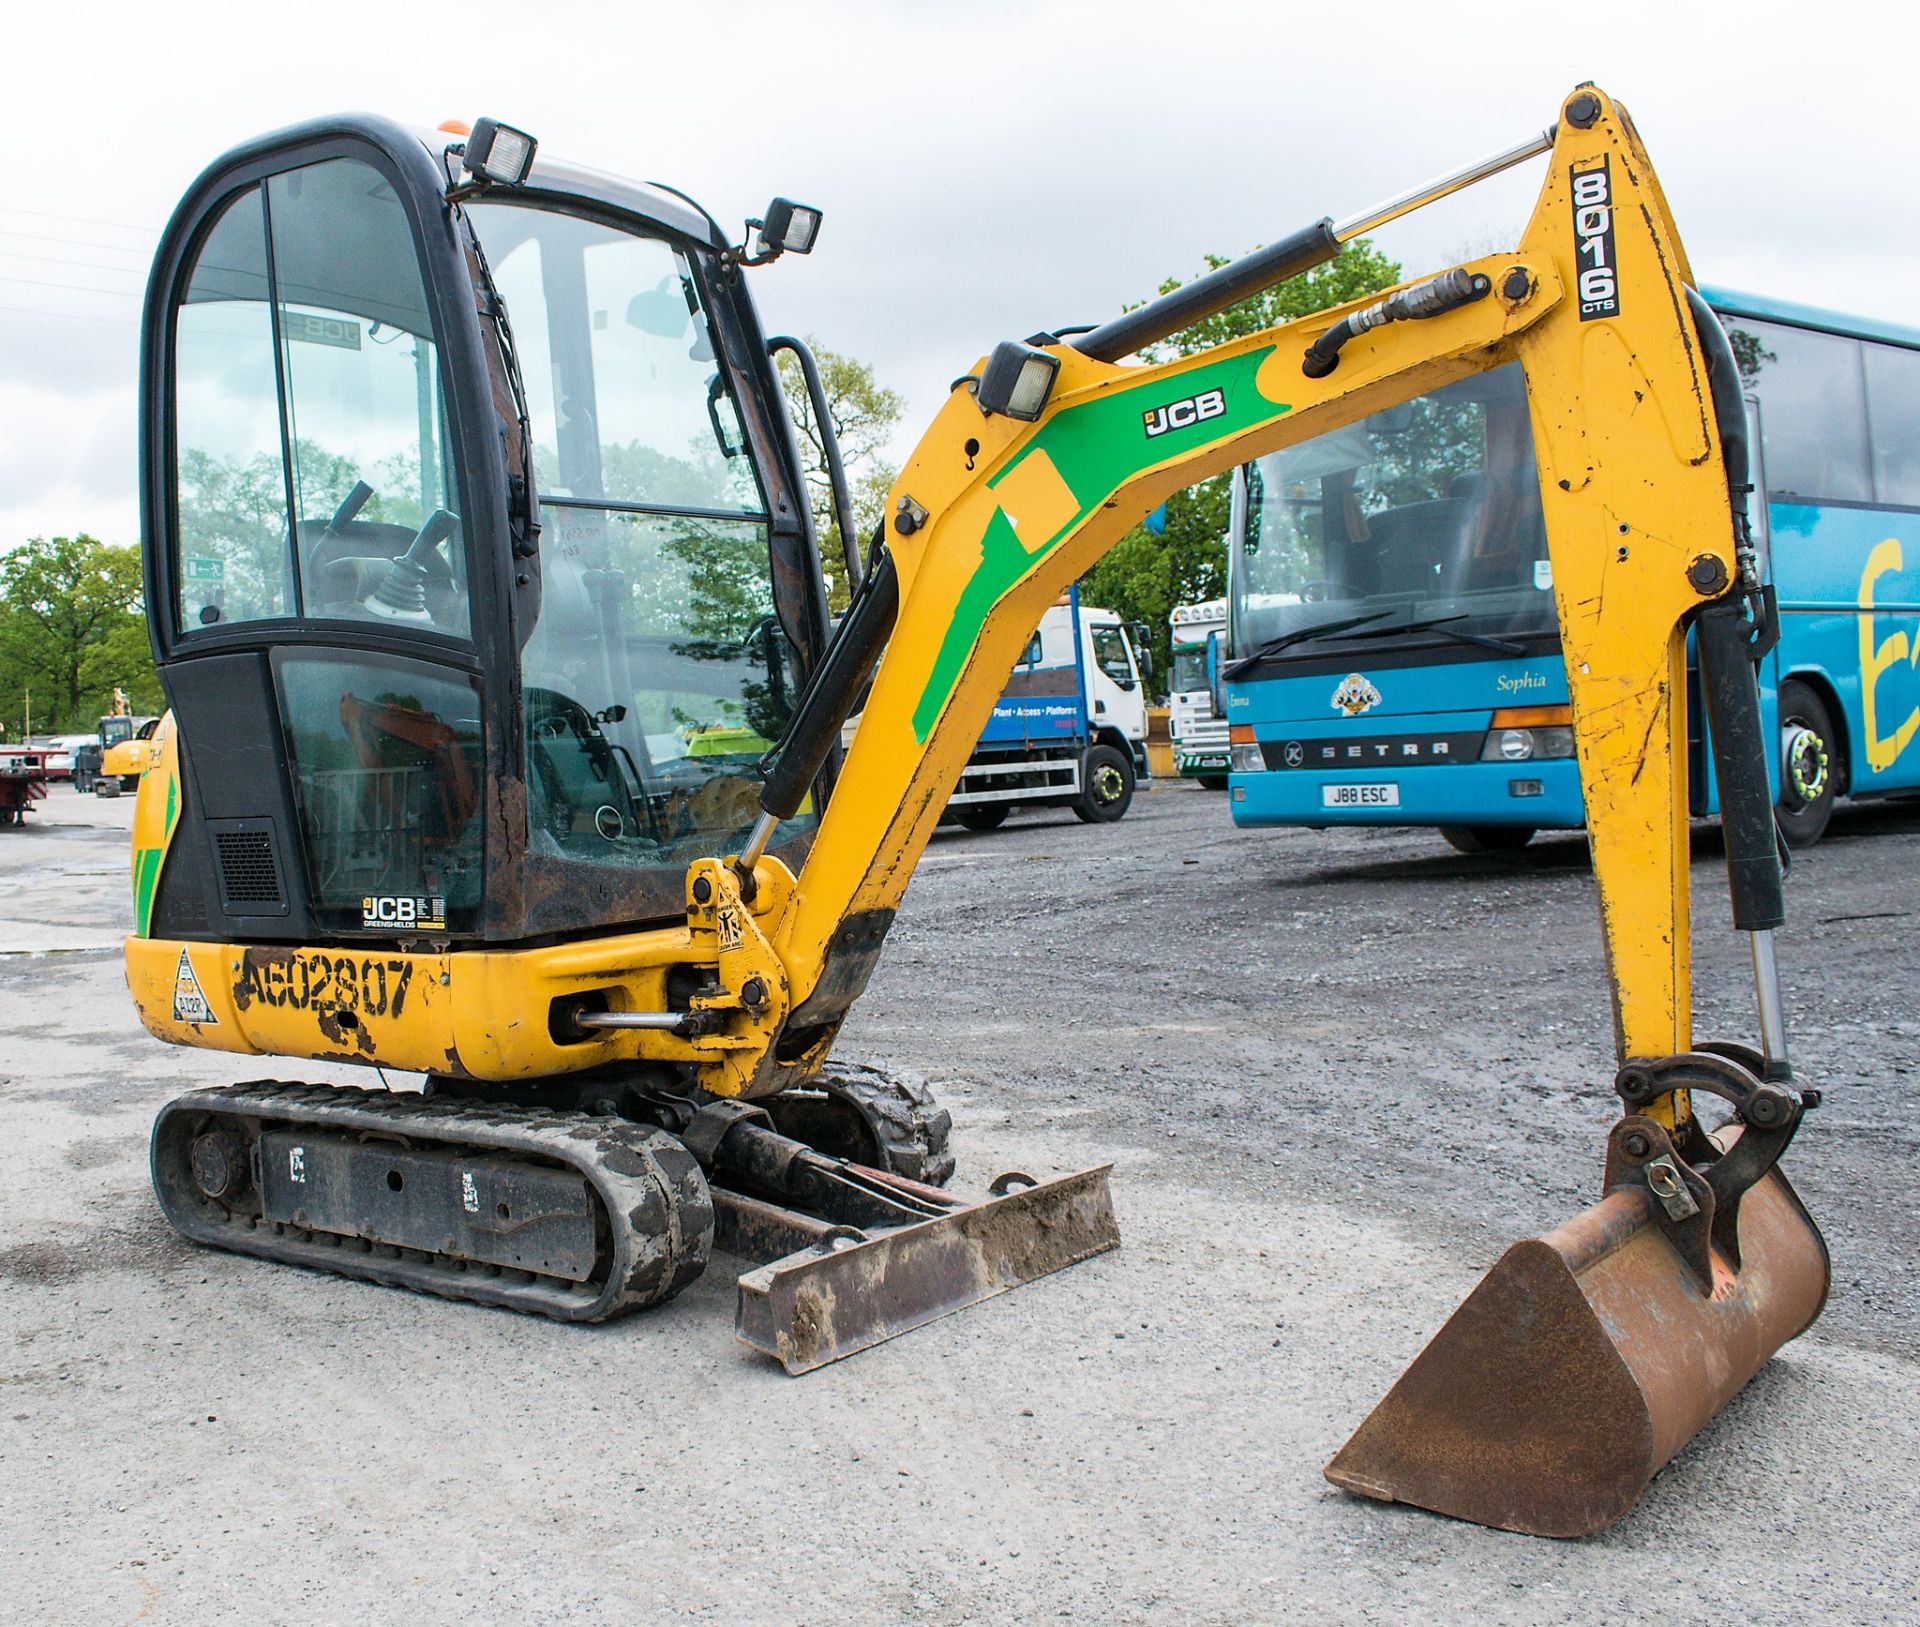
<point x="651" y="1190"/>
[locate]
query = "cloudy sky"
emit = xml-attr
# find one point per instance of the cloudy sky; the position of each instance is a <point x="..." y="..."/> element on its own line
<point x="986" y="167"/>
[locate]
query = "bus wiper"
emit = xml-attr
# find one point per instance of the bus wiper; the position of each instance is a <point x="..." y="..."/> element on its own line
<point x="1439" y="624"/>
<point x="1274" y="646"/>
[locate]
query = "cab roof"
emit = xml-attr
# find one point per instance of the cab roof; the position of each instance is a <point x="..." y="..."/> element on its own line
<point x="557" y="178"/>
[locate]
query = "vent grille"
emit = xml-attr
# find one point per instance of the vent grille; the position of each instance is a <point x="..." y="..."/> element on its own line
<point x="248" y="874"/>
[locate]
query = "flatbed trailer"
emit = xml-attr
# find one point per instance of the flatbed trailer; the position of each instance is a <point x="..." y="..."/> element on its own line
<point x="23" y="782"/>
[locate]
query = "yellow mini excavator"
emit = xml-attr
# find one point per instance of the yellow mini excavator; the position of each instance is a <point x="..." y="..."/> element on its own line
<point x="481" y="573"/>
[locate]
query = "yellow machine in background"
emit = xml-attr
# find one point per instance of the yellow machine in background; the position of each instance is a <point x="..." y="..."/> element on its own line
<point x="120" y="754"/>
<point x="426" y="807"/>
<point x="125" y="759"/>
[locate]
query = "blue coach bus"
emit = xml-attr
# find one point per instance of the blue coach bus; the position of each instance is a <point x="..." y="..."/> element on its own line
<point x="1394" y="658"/>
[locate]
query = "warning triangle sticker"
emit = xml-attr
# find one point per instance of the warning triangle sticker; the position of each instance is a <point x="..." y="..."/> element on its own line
<point x="189" y="1004"/>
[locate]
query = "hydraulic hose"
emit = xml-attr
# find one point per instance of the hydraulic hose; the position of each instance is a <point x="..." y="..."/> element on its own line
<point x="1732" y="633"/>
<point x="830" y="442"/>
<point x="830" y="696"/>
<point x="1437" y="295"/>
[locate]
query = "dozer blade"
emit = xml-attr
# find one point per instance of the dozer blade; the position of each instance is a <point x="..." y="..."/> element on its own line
<point x="847" y="1291"/>
<point x="1582" y="1363"/>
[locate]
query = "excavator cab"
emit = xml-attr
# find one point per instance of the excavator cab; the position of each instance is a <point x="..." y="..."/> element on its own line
<point x="482" y="578"/>
<point x="467" y="520"/>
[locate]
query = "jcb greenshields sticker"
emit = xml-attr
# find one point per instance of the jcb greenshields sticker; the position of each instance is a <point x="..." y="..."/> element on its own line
<point x="388" y="912"/>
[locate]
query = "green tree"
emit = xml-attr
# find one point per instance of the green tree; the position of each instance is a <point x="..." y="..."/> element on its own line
<point x="1143" y="576"/>
<point x="71" y="628"/>
<point x="863" y="414"/>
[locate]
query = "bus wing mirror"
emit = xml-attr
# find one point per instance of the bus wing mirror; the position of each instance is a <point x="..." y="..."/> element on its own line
<point x="1216" y="680"/>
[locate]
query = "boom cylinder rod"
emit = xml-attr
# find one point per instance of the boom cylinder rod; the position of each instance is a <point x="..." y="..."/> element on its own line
<point x="630" y="1019"/>
<point x="1441" y="186"/>
<point x="1731" y="634"/>
<point x="1309" y="247"/>
<point x="1773" y="1019"/>
<point x="757" y="839"/>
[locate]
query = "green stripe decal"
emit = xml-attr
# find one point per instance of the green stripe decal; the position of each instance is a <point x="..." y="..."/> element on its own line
<point x="1096" y="447"/>
<point x="146" y="880"/>
<point x="146" y="863"/>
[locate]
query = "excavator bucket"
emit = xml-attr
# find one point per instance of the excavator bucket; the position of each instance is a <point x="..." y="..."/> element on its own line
<point x="1584" y="1361"/>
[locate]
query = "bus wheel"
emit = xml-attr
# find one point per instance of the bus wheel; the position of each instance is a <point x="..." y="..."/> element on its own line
<point x="982" y="815"/>
<point x="1488" y="838"/>
<point x="1106" y="777"/>
<point x="1212" y="782"/>
<point x="1811" y="763"/>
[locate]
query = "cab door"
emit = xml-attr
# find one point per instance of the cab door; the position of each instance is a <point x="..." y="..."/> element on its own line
<point x="322" y="493"/>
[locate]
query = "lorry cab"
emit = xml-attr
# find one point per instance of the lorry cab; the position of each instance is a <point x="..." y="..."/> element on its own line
<point x="1070" y="729"/>
<point x="1118" y="666"/>
<point x="1198" y="727"/>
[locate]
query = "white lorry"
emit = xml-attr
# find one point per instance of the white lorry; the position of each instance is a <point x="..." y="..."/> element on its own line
<point x="1199" y="732"/>
<point x="1070" y="730"/>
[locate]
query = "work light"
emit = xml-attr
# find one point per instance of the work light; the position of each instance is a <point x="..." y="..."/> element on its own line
<point x="499" y="153"/>
<point x="1016" y="381"/>
<point x="790" y="228"/>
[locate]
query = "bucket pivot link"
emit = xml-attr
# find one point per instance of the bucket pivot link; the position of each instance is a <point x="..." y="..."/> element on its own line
<point x="1698" y="1179"/>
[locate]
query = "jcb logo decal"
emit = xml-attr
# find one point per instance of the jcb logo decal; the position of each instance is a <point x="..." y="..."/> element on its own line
<point x="1593" y="242"/>
<point x="1195" y="409"/>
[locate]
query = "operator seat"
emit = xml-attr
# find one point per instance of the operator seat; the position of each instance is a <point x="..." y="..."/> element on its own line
<point x="577" y="771"/>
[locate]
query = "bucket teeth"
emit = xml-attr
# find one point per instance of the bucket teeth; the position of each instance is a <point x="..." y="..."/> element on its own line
<point x="1582" y="1363"/>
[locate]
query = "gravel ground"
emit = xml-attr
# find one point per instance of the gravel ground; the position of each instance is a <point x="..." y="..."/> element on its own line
<point x="1337" y="1072"/>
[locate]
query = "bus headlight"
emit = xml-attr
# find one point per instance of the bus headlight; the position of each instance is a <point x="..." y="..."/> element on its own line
<point x="1522" y="734"/>
<point x="1245" y="758"/>
<point x="1525" y="745"/>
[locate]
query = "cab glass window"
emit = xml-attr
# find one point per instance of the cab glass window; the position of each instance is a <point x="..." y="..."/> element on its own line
<point x="658" y="673"/>
<point x="311" y="477"/>
<point x="628" y="398"/>
<point x="234" y="563"/>
<point x="1189" y="668"/>
<point x="1110" y="654"/>
<point x="387" y="776"/>
<point x="377" y="532"/>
